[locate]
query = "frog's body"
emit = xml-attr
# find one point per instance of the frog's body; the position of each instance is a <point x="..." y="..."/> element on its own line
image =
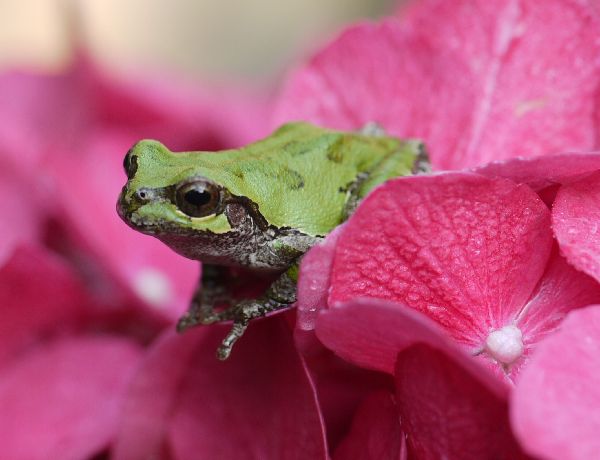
<point x="261" y="206"/>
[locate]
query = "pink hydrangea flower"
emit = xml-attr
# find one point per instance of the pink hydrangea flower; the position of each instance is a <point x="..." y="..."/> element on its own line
<point x="570" y="184"/>
<point x="554" y="406"/>
<point x="477" y="270"/>
<point x="478" y="81"/>
<point x="472" y="254"/>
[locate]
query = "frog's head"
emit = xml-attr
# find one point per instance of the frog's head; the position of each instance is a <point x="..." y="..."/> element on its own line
<point x="170" y="196"/>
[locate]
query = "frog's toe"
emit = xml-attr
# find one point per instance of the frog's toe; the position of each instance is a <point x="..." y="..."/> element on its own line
<point x="190" y="320"/>
<point x="235" y="333"/>
<point x="209" y="319"/>
<point x="185" y="322"/>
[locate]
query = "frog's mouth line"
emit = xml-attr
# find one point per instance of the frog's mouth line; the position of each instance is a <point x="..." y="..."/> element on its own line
<point x="142" y="225"/>
<point x="153" y="228"/>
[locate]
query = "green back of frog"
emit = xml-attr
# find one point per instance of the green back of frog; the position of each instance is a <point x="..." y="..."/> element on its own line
<point x="300" y="177"/>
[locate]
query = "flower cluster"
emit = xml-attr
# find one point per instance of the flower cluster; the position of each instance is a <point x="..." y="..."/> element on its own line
<point x="454" y="315"/>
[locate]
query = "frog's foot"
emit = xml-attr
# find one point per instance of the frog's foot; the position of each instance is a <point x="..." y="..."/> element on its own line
<point x="241" y="314"/>
<point x="202" y="315"/>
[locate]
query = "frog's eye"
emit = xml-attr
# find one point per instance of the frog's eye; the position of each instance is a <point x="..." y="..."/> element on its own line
<point x="199" y="198"/>
<point x="130" y="165"/>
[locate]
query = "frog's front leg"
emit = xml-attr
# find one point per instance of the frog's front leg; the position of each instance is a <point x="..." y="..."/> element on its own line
<point x="210" y="291"/>
<point x="281" y="294"/>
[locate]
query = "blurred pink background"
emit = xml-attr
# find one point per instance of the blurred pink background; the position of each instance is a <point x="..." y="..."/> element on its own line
<point x="210" y="38"/>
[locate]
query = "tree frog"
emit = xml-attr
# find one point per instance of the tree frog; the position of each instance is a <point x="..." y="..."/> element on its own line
<point x="260" y="207"/>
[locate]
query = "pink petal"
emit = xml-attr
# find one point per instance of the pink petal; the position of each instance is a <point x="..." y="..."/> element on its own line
<point x="146" y="418"/>
<point x="561" y="290"/>
<point x="370" y="333"/>
<point x="21" y="206"/>
<point x="313" y="285"/>
<point x="382" y="73"/>
<point x="447" y="411"/>
<point x="39" y="295"/>
<point x="39" y="112"/>
<point x="575" y="218"/>
<point x="496" y="79"/>
<point x="341" y="387"/>
<point x="465" y="250"/>
<point x="543" y="172"/>
<point x="375" y="432"/>
<point x="259" y="402"/>
<point x="534" y="97"/>
<point x="555" y="404"/>
<point x="63" y="400"/>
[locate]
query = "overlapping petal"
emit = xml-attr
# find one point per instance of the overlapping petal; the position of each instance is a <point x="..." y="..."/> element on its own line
<point x="554" y="405"/>
<point x="471" y="253"/>
<point x="313" y="284"/>
<point x="465" y="250"/>
<point x="40" y="296"/>
<point x="371" y="332"/>
<point x="22" y="207"/>
<point x="576" y="222"/>
<point x="452" y="405"/>
<point x="63" y="399"/>
<point x="259" y="404"/>
<point x="542" y="172"/>
<point x="375" y="432"/>
<point x="472" y="90"/>
<point x="448" y="411"/>
<point x="561" y="289"/>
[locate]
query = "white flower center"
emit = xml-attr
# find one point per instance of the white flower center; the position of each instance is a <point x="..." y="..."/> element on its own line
<point x="505" y="345"/>
<point x="153" y="286"/>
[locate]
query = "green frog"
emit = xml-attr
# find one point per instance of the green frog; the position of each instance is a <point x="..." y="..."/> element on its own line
<point x="259" y="207"/>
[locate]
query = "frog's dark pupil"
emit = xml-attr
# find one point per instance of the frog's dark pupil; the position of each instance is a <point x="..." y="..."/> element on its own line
<point x="197" y="198"/>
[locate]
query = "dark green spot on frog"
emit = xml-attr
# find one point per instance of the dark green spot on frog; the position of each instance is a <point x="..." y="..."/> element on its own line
<point x="260" y="207"/>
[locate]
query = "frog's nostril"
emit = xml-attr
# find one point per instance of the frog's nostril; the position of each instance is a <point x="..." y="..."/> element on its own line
<point x="144" y="194"/>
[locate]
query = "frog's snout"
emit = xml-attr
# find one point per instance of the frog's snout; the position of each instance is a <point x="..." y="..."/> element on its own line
<point x="124" y="205"/>
<point x="129" y="202"/>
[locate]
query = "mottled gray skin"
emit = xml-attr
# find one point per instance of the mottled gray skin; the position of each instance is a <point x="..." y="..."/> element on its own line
<point x="246" y="246"/>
